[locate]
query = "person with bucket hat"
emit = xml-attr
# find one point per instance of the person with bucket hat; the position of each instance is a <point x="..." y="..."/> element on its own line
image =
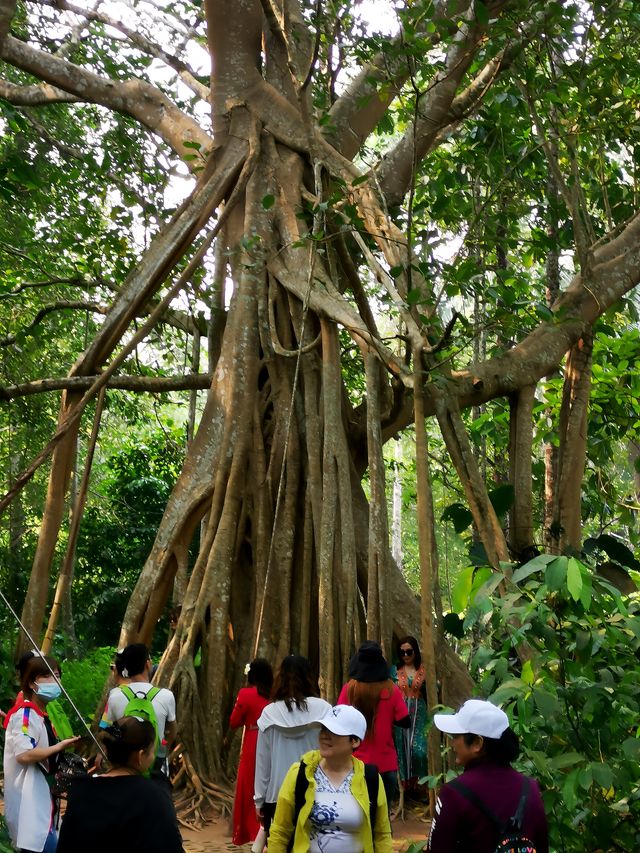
<point x="473" y="810"/>
<point x="330" y="801"/>
<point x="373" y="693"/>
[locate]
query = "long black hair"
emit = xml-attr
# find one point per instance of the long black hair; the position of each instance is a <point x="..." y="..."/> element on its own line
<point x="260" y="676"/>
<point x="294" y="683"/>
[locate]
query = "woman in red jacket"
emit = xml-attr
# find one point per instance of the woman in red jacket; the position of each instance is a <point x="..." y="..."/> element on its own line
<point x="249" y="705"/>
<point x="372" y="692"/>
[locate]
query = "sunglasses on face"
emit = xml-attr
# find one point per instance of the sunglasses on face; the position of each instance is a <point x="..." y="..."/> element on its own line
<point x="405" y="653"/>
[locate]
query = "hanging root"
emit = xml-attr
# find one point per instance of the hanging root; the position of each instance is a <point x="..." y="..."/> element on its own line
<point x="197" y="801"/>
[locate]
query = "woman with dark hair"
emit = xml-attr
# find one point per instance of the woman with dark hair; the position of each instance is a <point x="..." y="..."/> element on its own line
<point x="411" y="743"/>
<point x="331" y="801"/>
<point x="287" y="728"/>
<point x="374" y="694"/>
<point x="30" y="753"/>
<point x="471" y="808"/>
<point x="122" y="810"/>
<point x="249" y="705"/>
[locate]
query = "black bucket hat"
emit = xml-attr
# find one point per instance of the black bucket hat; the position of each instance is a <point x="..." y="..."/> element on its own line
<point x="368" y="663"/>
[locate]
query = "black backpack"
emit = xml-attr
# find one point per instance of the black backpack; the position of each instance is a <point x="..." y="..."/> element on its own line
<point x="371" y="777"/>
<point x="510" y="838"/>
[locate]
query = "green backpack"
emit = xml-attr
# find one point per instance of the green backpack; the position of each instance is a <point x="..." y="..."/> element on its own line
<point x="140" y="705"/>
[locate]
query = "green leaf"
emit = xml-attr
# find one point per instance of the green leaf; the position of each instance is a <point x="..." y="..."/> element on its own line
<point x="482" y="13"/>
<point x="537" y="564"/>
<point x="458" y="515"/>
<point x="602" y="774"/>
<point x="574" y="578"/>
<point x="461" y="591"/>
<point x="527" y="673"/>
<point x="502" y="498"/>
<point x="546" y="703"/>
<point x="268" y="201"/>
<point x="565" y="759"/>
<point x="556" y="573"/>
<point x="453" y="625"/>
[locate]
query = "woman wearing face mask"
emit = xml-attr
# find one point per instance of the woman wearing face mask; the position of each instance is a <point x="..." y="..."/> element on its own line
<point x="30" y="752"/>
<point x="121" y="809"/>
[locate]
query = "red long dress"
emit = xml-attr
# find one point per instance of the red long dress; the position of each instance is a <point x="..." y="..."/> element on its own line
<point x="249" y="705"/>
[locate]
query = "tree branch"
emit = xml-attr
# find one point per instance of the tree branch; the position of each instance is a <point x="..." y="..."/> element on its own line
<point x="49" y="309"/>
<point x="134" y="98"/>
<point x="138" y="384"/>
<point x="37" y="95"/>
<point x="7" y="11"/>
<point x="186" y="74"/>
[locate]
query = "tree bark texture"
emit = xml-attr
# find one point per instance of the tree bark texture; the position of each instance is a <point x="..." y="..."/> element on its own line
<point x="292" y="556"/>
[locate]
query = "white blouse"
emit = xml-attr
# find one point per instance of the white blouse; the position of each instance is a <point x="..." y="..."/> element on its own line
<point x="336" y="817"/>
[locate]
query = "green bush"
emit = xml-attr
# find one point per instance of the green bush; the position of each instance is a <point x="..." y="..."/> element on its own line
<point x="575" y="702"/>
<point x="84" y="680"/>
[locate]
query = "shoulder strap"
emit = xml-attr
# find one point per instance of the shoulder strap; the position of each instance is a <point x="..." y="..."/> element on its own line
<point x="514" y="822"/>
<point x="372" y="778"/>
<point x="127" y="692"/>
<point x="302" y="783"/>
<point x="470" y="795"/>
<point x="151" y="695"/>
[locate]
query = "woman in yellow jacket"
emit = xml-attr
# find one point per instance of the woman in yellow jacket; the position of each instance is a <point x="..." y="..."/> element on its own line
<point x="324" y="802"/>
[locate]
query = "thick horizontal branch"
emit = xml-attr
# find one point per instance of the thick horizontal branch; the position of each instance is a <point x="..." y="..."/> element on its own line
<point x="138" y="384"/>
<point x="37" y="95"/>
<point x="614" y="272"/>
<point x="135" y="98"/>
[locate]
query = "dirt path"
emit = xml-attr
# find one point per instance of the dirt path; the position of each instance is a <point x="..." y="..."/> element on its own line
<point x="216" y="837"/>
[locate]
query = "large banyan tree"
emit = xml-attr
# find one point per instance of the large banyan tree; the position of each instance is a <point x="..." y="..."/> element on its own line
<point x="446" y="210"/>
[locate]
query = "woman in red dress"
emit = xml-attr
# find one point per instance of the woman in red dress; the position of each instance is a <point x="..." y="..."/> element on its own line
<point x="249" y="705"/>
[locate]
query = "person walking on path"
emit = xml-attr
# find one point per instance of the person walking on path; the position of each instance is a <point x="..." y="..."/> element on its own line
<point x="325" y="803"/>
<point x="250" y="704"/>
<point x="372" y="692"/>
<point x="487" y="794"/>
<point x="133" y="665"/>
<point x="287" y="728"/>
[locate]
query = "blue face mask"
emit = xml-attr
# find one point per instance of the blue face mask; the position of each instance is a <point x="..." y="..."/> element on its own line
<point x="48" y="692"/>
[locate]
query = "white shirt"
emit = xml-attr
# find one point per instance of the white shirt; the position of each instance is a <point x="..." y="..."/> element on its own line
<point x="336" y="817"/>
<point x="164" y="704"/>
<point x="27" y="801"/>
<point x="283" y="738"/>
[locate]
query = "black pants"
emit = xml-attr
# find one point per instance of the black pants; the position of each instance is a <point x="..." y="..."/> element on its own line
<point x="268" y="811"/>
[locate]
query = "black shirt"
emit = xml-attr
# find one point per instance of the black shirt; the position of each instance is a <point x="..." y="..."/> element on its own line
<point x="119" y="814"/>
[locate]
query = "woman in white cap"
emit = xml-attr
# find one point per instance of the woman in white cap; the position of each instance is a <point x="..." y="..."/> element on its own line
<point x="330" y="801"/>
<point x="472" y="809"/>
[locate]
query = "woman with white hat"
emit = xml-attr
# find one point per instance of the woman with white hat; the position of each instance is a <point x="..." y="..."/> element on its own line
<point x="472" y="809"/>
<point x="330" y="801"/>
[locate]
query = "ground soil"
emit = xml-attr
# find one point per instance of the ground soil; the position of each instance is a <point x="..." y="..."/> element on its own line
<point x="215" y="837"/>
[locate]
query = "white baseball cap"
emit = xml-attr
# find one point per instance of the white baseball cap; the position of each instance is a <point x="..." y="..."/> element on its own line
<point x="345" y="720"/>
<point x="476" y="717"/>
